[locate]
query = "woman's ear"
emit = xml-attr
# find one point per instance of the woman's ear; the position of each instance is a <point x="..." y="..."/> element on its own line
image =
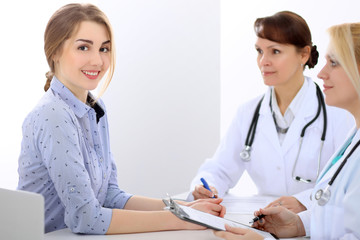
<point x="57" y="54"/>
<point x="305" y="54"/>
<point x="55" y="58"/>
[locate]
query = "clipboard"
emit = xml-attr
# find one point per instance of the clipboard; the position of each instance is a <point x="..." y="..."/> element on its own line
<point x="205" y="219"/>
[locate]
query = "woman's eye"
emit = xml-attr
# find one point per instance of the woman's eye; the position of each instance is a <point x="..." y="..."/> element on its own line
<point x="276" y="51"/>
<point x="334" y="63"/>
<point x="259" y="50"/>
<point x="83" y="48"/>
<point x="104" y="49"/>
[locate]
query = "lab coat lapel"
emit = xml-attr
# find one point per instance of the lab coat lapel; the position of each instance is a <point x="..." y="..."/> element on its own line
<point x="266" y="121"/>
<point x="328" y="172"/>
<point x="306" y="113"/>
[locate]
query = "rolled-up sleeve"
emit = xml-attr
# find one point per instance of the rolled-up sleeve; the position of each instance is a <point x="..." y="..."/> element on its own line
<point x="115" y="197"/>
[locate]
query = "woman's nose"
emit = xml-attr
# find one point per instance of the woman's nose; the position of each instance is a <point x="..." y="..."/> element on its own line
<point x="322" y="74"/>
<point x="96" y="59"/>
<point x="264" y="60"/>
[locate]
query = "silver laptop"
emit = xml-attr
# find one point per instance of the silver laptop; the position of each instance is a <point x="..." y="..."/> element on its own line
<point x="21" y="215"/>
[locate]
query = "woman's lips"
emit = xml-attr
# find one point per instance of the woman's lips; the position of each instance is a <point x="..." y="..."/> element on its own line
<point x="91" y="74"/>
<point x="267" y="73"/>
<point x="326" y="87"/>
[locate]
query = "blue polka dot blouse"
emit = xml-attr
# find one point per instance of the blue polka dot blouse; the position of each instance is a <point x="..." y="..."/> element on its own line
<point x="65" y="156"/>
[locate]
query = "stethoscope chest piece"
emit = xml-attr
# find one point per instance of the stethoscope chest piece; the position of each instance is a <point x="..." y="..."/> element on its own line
<point x="323" y="196"/>
<point x="245" y="154"/>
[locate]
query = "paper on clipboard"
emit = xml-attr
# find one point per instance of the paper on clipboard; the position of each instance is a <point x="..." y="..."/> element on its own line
<point x="208" y="220"/>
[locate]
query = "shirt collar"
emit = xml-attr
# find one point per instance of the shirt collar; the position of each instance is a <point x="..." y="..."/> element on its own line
<point x="77" y="106"/>
<point x="295" y="104"/>
<point x="96" y="106"/>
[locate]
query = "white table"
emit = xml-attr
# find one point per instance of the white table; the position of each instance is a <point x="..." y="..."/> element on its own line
<point x="66" y="234"/>
<point x="239" y="209"/>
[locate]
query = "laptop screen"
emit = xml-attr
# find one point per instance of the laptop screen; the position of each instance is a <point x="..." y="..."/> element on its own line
<point x="21" y="215"/>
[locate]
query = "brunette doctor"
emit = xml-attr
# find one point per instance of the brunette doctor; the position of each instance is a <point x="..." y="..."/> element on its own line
<point x="335" y="212"/>
<point x="284" y="137"/>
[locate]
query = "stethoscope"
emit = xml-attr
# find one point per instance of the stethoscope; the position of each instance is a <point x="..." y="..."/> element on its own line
<point x="323" y="196"/>
<point x="245" y="154"/>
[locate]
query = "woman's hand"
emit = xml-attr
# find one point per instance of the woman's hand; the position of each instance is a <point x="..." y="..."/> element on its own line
<point x="288" y="202"/>
<point x="280" y="221"/>
<point x="210" y="205"/>
<point x="234" y="233"/>
<point x="202" y="193"/>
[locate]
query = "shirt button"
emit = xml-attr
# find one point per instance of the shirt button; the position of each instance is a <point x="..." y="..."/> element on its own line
<point x="101" y="159"/>
<point x="278" y="168"/>
<point x="104" y="175"/>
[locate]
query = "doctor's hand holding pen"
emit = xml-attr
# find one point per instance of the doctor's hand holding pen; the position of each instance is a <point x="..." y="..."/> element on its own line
<point x="203" y="191"/>
<point x="277" y="220"/>
<point x="288" y="202"/>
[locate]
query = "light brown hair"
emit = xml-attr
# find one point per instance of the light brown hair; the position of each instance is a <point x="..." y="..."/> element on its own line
<point x="63" y="24"/>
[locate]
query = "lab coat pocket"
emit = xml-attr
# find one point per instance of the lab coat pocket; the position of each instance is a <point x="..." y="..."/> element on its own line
<point x="328" y="222"/>
<point x="336" y="222"/>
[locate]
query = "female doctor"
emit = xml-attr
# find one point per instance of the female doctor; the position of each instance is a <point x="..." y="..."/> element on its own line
<point x="284" y="137"/>
<point x="335" y="212"/>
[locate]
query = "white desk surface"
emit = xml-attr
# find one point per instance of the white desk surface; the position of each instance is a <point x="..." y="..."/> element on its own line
<point x="239" y="209"/>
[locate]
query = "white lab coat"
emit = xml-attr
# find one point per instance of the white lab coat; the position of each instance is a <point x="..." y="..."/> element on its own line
<point x="271" y="164"/>
<point x="340" y="217"/>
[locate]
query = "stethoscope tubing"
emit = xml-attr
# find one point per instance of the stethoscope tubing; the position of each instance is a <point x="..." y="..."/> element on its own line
<point x="321" y="105"/>
<point x="251" y="133"/>
<point x="245" y="153"/>
<point x="323" y="196"/>
<point x="343" y="163"/>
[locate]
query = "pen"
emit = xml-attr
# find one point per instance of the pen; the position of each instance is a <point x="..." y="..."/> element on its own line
<point x="257" y="218"/>
<point x="206" y="185"/>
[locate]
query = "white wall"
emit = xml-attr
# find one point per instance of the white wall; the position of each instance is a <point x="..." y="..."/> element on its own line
<point x="164" y="100"/>
<point x="166" y="89"/>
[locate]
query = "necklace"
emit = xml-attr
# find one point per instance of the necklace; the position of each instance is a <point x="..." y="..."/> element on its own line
<point x="278" y="129"/>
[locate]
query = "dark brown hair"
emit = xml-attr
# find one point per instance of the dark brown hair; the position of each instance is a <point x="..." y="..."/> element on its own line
<point x="287" y="28"/>
<point x="63" y="24"/>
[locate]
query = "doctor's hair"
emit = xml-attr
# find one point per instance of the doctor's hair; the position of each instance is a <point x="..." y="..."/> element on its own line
<point x="287" y="28"/>
<point x="63" y="24"/>
<point x="344" y="45"/>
